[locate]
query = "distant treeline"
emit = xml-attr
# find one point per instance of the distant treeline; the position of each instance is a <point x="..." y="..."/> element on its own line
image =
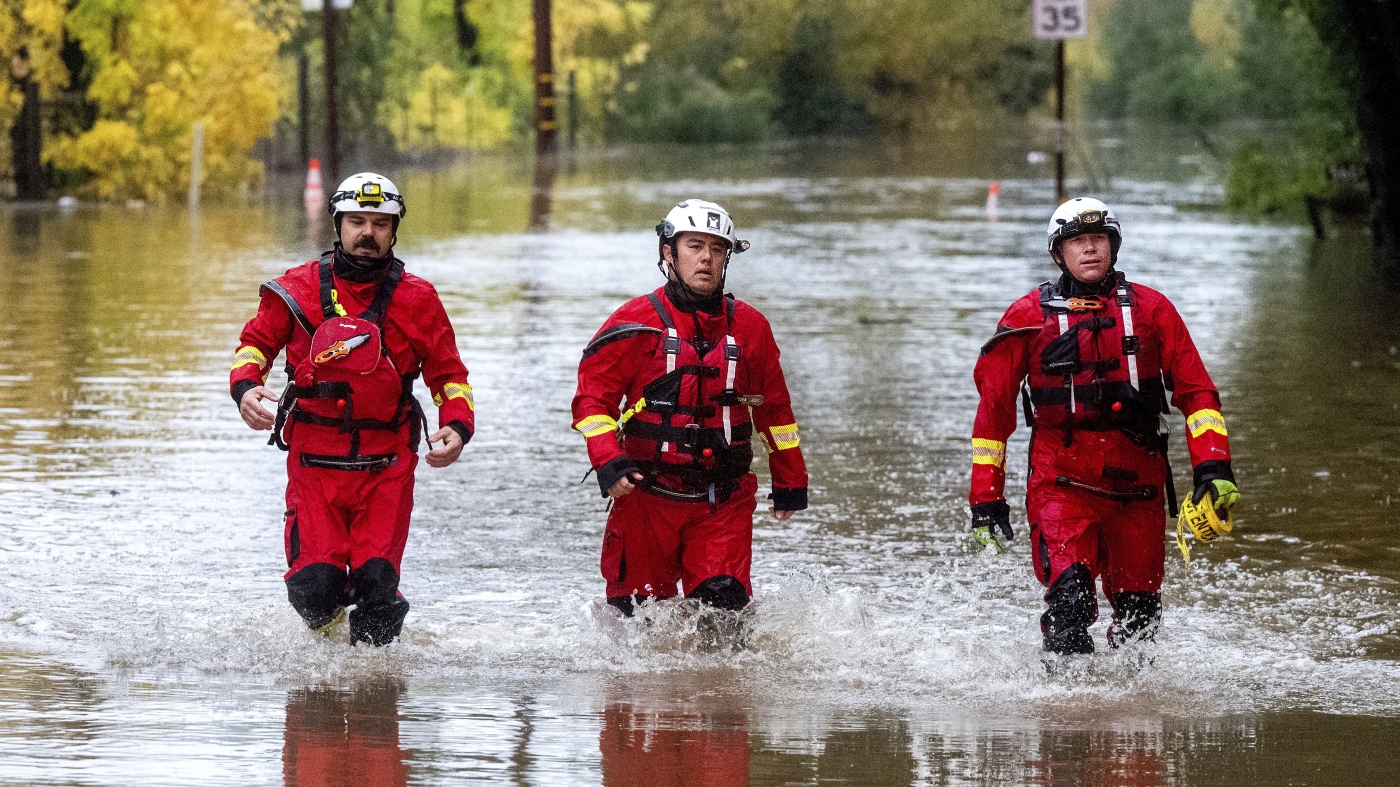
<point x="123" y="82"/>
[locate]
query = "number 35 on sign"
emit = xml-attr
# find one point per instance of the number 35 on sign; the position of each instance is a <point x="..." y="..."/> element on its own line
<point x="1057" y="20"/>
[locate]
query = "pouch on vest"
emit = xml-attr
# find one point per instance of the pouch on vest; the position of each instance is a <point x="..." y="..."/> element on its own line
<point x="663" y="394"/>
<point x="347" y="353"/>
<point x="347" y="345"/>
<point x="1061" y="356"/>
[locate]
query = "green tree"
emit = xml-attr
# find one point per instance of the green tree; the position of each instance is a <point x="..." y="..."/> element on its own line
<point x="1362" y="40"/>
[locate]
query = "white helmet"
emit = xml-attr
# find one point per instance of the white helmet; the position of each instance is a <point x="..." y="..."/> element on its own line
<point x="697" y="215"/>
<point x="367" y="192"/>
<point x="1080" y="216"/>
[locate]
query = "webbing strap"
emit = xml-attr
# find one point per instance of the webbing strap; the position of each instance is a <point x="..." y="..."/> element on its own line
<point x="731" y="367"/>
<point x="671" y="345"/>
<point x="1064" y="327"/>
<point x="327" y="285"/>
<point x="1125" y="302"/>
<point x="382" y="296"/>
<point x="660" y="311"/>
<point x="380" y="305"/>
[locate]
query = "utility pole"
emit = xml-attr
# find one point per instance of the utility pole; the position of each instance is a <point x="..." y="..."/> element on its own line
<point x="1057" y="20"/>
<point x="1061" y="194"/>
<point x="303" y="107"/>
<point x="332" y="122"/>
<point x="573" y="110"/>
<point x="546" y="130"/>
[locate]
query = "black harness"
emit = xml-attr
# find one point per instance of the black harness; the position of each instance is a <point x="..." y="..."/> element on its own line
<point x="408" y="410"/>
<point x="698" y="484"/>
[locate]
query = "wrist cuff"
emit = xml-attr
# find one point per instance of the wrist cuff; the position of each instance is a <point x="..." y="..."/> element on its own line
<point x="789" y="499"/>
<point x="240" y="388"/>
<point x="463" y="431"/>
<point x="613" y="470"/>
<point x="1211" y="470"/>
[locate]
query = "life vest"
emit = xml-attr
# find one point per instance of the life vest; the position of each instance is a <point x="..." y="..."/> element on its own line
<point x="690" y="430"/>
<point x="1072" y="384"/>
<point x="347" y="381"/>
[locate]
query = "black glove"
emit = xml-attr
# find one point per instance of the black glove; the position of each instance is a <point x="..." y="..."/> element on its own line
<point x="986" y="516"/>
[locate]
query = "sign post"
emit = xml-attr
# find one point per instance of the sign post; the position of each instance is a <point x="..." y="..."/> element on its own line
<point x="1058" y="20"/>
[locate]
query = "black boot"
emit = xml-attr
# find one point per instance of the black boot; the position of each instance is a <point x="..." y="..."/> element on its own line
<point x="721" y="623"/>
<point x="317" y="593"/>
<point x="379" y="609"/>
<point x="1137" y="615"/>
<point x="1071" y="607"/>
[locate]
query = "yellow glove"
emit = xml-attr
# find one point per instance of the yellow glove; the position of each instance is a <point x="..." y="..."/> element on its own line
<point x="1207" y="521"/>
<point x="1223" y="493"/>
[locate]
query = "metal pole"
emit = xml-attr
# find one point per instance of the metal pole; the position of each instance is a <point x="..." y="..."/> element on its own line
<point x="303" y="108"/>
<point x="573" y="110"/>
<point x="546" y="132"/>
<point x="197" y="164"/>
<point x="332" y="168"/>
<point x="1060" y="194"/>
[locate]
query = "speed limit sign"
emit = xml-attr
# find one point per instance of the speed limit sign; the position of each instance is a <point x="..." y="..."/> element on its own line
<point x="1056" y="20"/>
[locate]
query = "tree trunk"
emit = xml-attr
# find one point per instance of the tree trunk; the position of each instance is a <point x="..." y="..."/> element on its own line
<point x="1373" y="27"/>
<point x="26" y="142"/>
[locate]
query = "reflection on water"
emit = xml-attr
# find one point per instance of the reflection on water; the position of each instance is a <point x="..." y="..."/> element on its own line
<point x="642" y="749"/>
<point x="337" y="738"/>
<point x="151" y="642"/>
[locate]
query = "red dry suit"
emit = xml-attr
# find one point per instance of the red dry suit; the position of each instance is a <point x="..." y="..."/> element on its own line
<point x="352" y="426"/>
<point x="1094" y="373"/>
<point x="677" y="395"/>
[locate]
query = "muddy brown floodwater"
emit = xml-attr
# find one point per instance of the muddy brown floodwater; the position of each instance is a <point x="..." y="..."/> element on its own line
<point x="145" y="638"/>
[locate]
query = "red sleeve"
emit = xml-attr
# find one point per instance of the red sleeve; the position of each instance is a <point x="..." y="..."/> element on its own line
<point x="262" y="338"/>
<point x="443" y="370"/>
<point x="604" y="377"/>
<point x="776" y="424"/>
<point x="1193" y="393"/>
<point x="1004" y="363"/>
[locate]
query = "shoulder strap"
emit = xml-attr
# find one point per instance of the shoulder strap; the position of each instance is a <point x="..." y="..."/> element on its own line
<point x="661" y="311"/>
<point x="327" y="285"/>
<point x="380" y="305"/>
<point x="1130" y="339"/>
<point x="292" y="305"/>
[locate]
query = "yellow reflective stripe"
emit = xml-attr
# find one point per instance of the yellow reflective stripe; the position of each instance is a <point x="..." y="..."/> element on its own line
<point x="594" y="425"/>
<point x="460" y="391"/>
<point x="988" y="452"/>
<point x="785" y="437"/>
<point x="1202" y="421"/>
<point x="247" y="355"/>
<point x="633" y="410"/>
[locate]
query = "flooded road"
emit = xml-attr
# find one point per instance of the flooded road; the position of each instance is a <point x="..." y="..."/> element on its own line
<point x="145" y="636"/>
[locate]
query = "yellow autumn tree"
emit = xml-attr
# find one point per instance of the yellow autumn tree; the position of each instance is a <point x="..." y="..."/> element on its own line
<point x="158" y="67"/>
<point x="31" y="33"/>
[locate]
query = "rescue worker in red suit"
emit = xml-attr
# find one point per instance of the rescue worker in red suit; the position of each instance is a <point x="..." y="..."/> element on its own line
<point x="1093" y="359"/>
<point x="670" y="392"/>
<point x="358" y="330"/>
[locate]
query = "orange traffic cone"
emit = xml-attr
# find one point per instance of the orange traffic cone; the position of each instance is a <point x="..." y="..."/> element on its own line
<point x="315" y="195"/>
<point x="993" y="191"/>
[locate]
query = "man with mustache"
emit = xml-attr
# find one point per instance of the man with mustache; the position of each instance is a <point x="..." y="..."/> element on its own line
<point x="1093" y="358"/>
<point x="670" y="392"/>
<point x="358" y="330"/>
